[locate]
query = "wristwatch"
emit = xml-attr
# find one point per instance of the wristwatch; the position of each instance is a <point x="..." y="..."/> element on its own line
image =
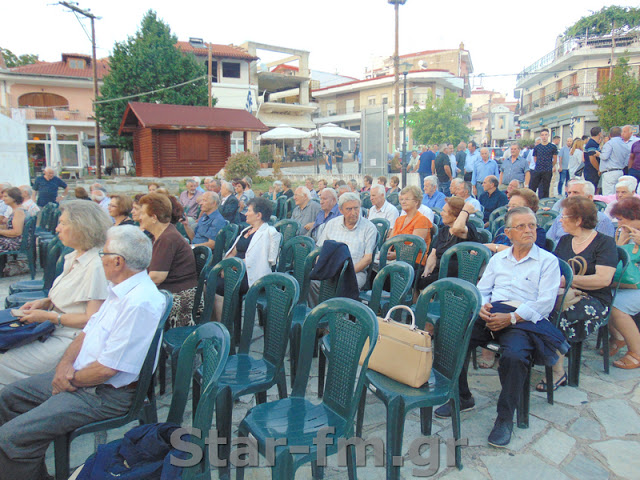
<point x="513" y="318"/>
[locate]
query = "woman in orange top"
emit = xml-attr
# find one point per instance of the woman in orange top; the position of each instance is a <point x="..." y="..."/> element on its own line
<point x="413" y="222"/>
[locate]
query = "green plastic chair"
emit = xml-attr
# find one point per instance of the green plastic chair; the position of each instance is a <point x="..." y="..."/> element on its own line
<point x="497" y="223"/>
<point x="545" y="217"/>
<point x="281" y="207"/>
<point x="53" y="251"/>
<point x="549" y="244"/>
<point x="291" y="204"/>
<point x="497" y="212"/>
<point x="392" y="198"/>
<point x="476" y="221"/>
<point x="182" y="231"/>
<point x="299" y="421"/>
<point x="246" y="374"/>
<point x="383" y="226"/>
<point x="600" y="205"/>
<point x="293" y="255"/>
<point x="547" y="202"/>
<point x="143" y="407"/>
<point x="230" y="230"/>
<point x="400" y="275"/>
<point x="485" y="235"/>
<point x="461" y="304"/>
<point x="288" y="229"/>
<point x="27" y="247"/>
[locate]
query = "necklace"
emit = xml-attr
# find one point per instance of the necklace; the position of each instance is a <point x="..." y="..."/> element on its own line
<point x="585" y="239"/>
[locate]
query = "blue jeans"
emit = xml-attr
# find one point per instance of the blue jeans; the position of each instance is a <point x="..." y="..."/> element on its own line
<point x="445" y="187"/>
<point x="423" y="175"/>
<point x="635" y="173"/>
<point x="479" y="188"/>
<point x="563" y="178"/>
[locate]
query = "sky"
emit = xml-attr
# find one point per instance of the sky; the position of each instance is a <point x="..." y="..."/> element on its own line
<point x="342" y="36"/>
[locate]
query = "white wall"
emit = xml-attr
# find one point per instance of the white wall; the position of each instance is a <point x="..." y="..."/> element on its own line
<point x="14" y="163"/>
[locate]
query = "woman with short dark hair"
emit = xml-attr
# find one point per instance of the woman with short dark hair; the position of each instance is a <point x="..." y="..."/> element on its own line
<point x="11" y="236"/>
<point x="120" y="208"/>
<point x="593" y="258"/>
<point x="173" y="265"/>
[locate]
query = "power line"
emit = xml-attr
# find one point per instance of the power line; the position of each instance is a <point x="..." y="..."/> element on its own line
<point x="109" y="100"/>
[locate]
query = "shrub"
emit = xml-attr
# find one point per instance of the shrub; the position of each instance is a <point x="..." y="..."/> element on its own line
<point x="266" y="156"/>
<point x="242" y="164"/>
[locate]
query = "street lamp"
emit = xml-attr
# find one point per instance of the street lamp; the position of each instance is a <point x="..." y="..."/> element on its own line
<point x="396" y="60"/>
<point x="405" y="67"/>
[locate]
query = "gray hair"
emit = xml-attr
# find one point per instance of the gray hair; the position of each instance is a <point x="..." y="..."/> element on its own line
<point x="98" y="195"/>
<point x="517" y="211"/>
<point x="248" y="180"/>
<point x="214" y="196"/>
<point x="191" y="180"/>
<point x="215" y="181"/>
<point x="628" y="182"/>
<point x="333" y="193"/>
<point x="26" y="189"/>
<point x="305" y="191"/>
<point x="342" y="189"/>
<point x="89" y="223"/>
<point x="484" y="149"/>
<point x="132" y="244"/>
<point x="227" y="185"/>
<point x="443" y="146"/>
<point x="278" y="183"/>
<point x="432" y="180"/>
<point x="587" y="187"/>
<point x="349" y="197"/>
<point x="380" y="189"/>
<point x="208" y="179"/>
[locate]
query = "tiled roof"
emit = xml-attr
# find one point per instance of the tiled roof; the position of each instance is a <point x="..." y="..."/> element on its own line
<point x="62" y="68"/>
<point x="225" y="51"/>
<point x="282" y="66"/>
<point x="380" y="78"/>
<point x="184" y="117"/>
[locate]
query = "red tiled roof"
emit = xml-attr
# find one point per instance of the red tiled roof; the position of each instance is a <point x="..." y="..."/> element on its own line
<point x="380" y="77"/>
<point x="426" y="52"/>
<point x="62" y="68"/>
<point x="185" y="117"/>
<point x="225" y="51"/>
<point x="282" y="66"/>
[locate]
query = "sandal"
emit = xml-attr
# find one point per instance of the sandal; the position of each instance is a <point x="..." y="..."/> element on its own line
<point x="486" y="363"/>
<point x="629" y="361"/>
<point x="614" y="347"/>
<point x="561" y="382"/>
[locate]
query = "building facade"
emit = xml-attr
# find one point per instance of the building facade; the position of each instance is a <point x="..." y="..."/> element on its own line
<point x="558" y="90"/>
<point x="492" y="117"/>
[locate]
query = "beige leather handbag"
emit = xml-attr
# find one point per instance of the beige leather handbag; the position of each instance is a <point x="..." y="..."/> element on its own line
<point x="403" y="352"/>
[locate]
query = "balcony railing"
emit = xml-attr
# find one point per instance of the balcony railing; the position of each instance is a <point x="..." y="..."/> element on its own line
<point x="575" y="43"/>
<point x="42" y="113"/>
<point x="578" y="90"/>
<point x="325" y="112"/>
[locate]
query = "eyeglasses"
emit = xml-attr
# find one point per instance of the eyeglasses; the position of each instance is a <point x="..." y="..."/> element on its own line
<point x="102" y="253"/>
<point x="562" y="217"/>
<point x="525" y="226"/>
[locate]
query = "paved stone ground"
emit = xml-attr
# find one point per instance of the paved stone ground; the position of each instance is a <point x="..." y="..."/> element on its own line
<point x="592" y="432"/>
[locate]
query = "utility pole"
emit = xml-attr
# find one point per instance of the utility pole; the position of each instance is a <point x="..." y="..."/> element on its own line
<point x="209" y="75"/>
<point x="396" y="67"/>
<point x="613" y="46"/>
<point x="489" y="126"/>
<point x="88" y="14"/>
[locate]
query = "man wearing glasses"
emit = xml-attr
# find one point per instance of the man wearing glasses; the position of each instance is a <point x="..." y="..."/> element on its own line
<point x="97" y="376"/>
<point x="518" y="289"/>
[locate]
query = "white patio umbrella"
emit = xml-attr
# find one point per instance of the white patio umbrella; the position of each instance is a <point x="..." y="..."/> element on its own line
<point x="284" y="132"/>
<point x="331" y="130"/>
<point x="54" y="159"/>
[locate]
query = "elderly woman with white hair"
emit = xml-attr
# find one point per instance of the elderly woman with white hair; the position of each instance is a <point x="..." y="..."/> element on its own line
<point x="75" y="295"/>
<point x="625" y="188"/>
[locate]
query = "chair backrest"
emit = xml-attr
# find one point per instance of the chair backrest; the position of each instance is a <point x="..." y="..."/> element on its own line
<point x="476" y="221"/>
<point x="471" y="256"/>
<point x="223" y="238"/>
<point x="392" y="198"/>
<point x="204" y="263"/>
<point x="437" y="219"/>
<point x="567" y="272"/>
<point x="329" y="288"/>
<point x="281" y="207"/>
<point x="497" y="212"/>
<point x="545" y="217"/>
<point x="549" y="244"/>
<point x="45" y="213"/>
<point x="623" y="257"/>
<point x="600" y="205"/>
<point x="53" y="255"/>
<point x="351" y="324"/>
<point x="485" y="235"/>
<point x="408" y="248"/>
<point x="233" y="270"/>
<point x="293" y="255"/>
<point x="211" y="343"/>
<point x="282" y="293"/>
<point x="460" y="304"/>
<point x="497" y="223"/>
<point x="53" y="219"/>
<point x="288" y="229"/>
<point x="383" y="226"/>
<point x="547" y="202"/>
<point x="231" y="233"/>
<point x="400" y="275"/>
<point x="203" y="256"/>
<point x="181" y="230"/>
<point x="28" y="242"/>
<point x="365" y="197"/>
<point x="291" y="204"/>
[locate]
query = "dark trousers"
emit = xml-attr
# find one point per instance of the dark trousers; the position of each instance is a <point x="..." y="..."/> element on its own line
<point x="635" y="173"/>
<point x="468" y="176"/>
<point x="514" y="362"/>
<point x="540" y="182"/>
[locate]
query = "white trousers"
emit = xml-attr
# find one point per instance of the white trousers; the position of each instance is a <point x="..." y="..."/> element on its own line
<point x="609" y="180"/>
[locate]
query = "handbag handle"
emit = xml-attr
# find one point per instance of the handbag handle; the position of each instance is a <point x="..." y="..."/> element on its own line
<point x="388" y="318"/>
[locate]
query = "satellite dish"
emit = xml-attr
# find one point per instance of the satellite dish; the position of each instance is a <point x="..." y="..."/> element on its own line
<point x="422" y="64"/>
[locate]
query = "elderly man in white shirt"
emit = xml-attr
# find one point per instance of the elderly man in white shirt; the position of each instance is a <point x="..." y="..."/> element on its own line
<point x="28" y="205"/>
<point x="380" y="208"/>
<point x="96" y="377"/>
<point x="464" y="192"/>
<point x="522" y="280"/>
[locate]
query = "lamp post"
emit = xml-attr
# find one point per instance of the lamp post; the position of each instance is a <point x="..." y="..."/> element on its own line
<point x="396" y="60"/>
<point x="405" y="67"/>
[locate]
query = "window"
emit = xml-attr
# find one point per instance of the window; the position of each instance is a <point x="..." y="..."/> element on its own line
<point x="76" y="63"/>
<point x="385" y="100"/>
<point x="350" y="106"/>
<point x="331" y="108"/>
<point x="371" y="100"/>
<point x="214" y="70"/>
<point x="230" y="70"/>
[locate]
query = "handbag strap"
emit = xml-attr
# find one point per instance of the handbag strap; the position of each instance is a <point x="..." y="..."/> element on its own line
<point x="388" y="318"/>
<point x="578" y="264"/>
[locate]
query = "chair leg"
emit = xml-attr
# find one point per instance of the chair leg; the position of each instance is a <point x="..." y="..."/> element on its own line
<point x="317" y="472"/>
<point x="603" y="333"/>
<point x="575" y="354"/>
<point x="549" y="374"/>
<point x="294" y="343"/>
<point x="523" y="405"/>
<point x="455" y="426"/>
<point x="426" y="420"/>
<point x="195" y="396"/>
<point x="162" y="371"/>
<point x="599" y="339"/>
<point x="61" y="447"/>
<point x="322" y="366"/>
<point x="224" y="415"/>
<point x="474" y="358"/>
<point x="261" y="397"/>
<point x="351" y="463"/>
<point x="282" y="385"/>
<point x="395" y="432"/>
<point x="360" y="415"/>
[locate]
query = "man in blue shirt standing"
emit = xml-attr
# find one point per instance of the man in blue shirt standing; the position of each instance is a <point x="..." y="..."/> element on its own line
<point x="47" y="187"/>
<point x="209" y="223"/>
<point x="482" y="170"/>
<point x="545" y="156"/>
<point x="472" y="157"/>
<point x="563" y="161"/>
<point x="426" y="157"/>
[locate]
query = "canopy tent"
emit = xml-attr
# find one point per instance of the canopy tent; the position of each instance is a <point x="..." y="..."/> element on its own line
<point x="284" y="132"/>
<point x="331" y="130"/>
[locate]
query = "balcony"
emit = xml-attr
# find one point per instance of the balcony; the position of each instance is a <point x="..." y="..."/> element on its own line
<point x="568" y="94"/>
<point x="43" y="113"/>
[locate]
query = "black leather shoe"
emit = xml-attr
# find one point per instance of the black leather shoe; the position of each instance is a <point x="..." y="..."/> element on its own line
<point x="500" y="436"/>
<point x="444" y="411"/>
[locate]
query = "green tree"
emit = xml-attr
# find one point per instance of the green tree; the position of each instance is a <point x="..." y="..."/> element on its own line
<point x="442" y="120"/>
<point x="601" y="22"/>
<point x="12" y="60"/>
<point x="145" y="62"/>
<point x="619" y="102"/>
